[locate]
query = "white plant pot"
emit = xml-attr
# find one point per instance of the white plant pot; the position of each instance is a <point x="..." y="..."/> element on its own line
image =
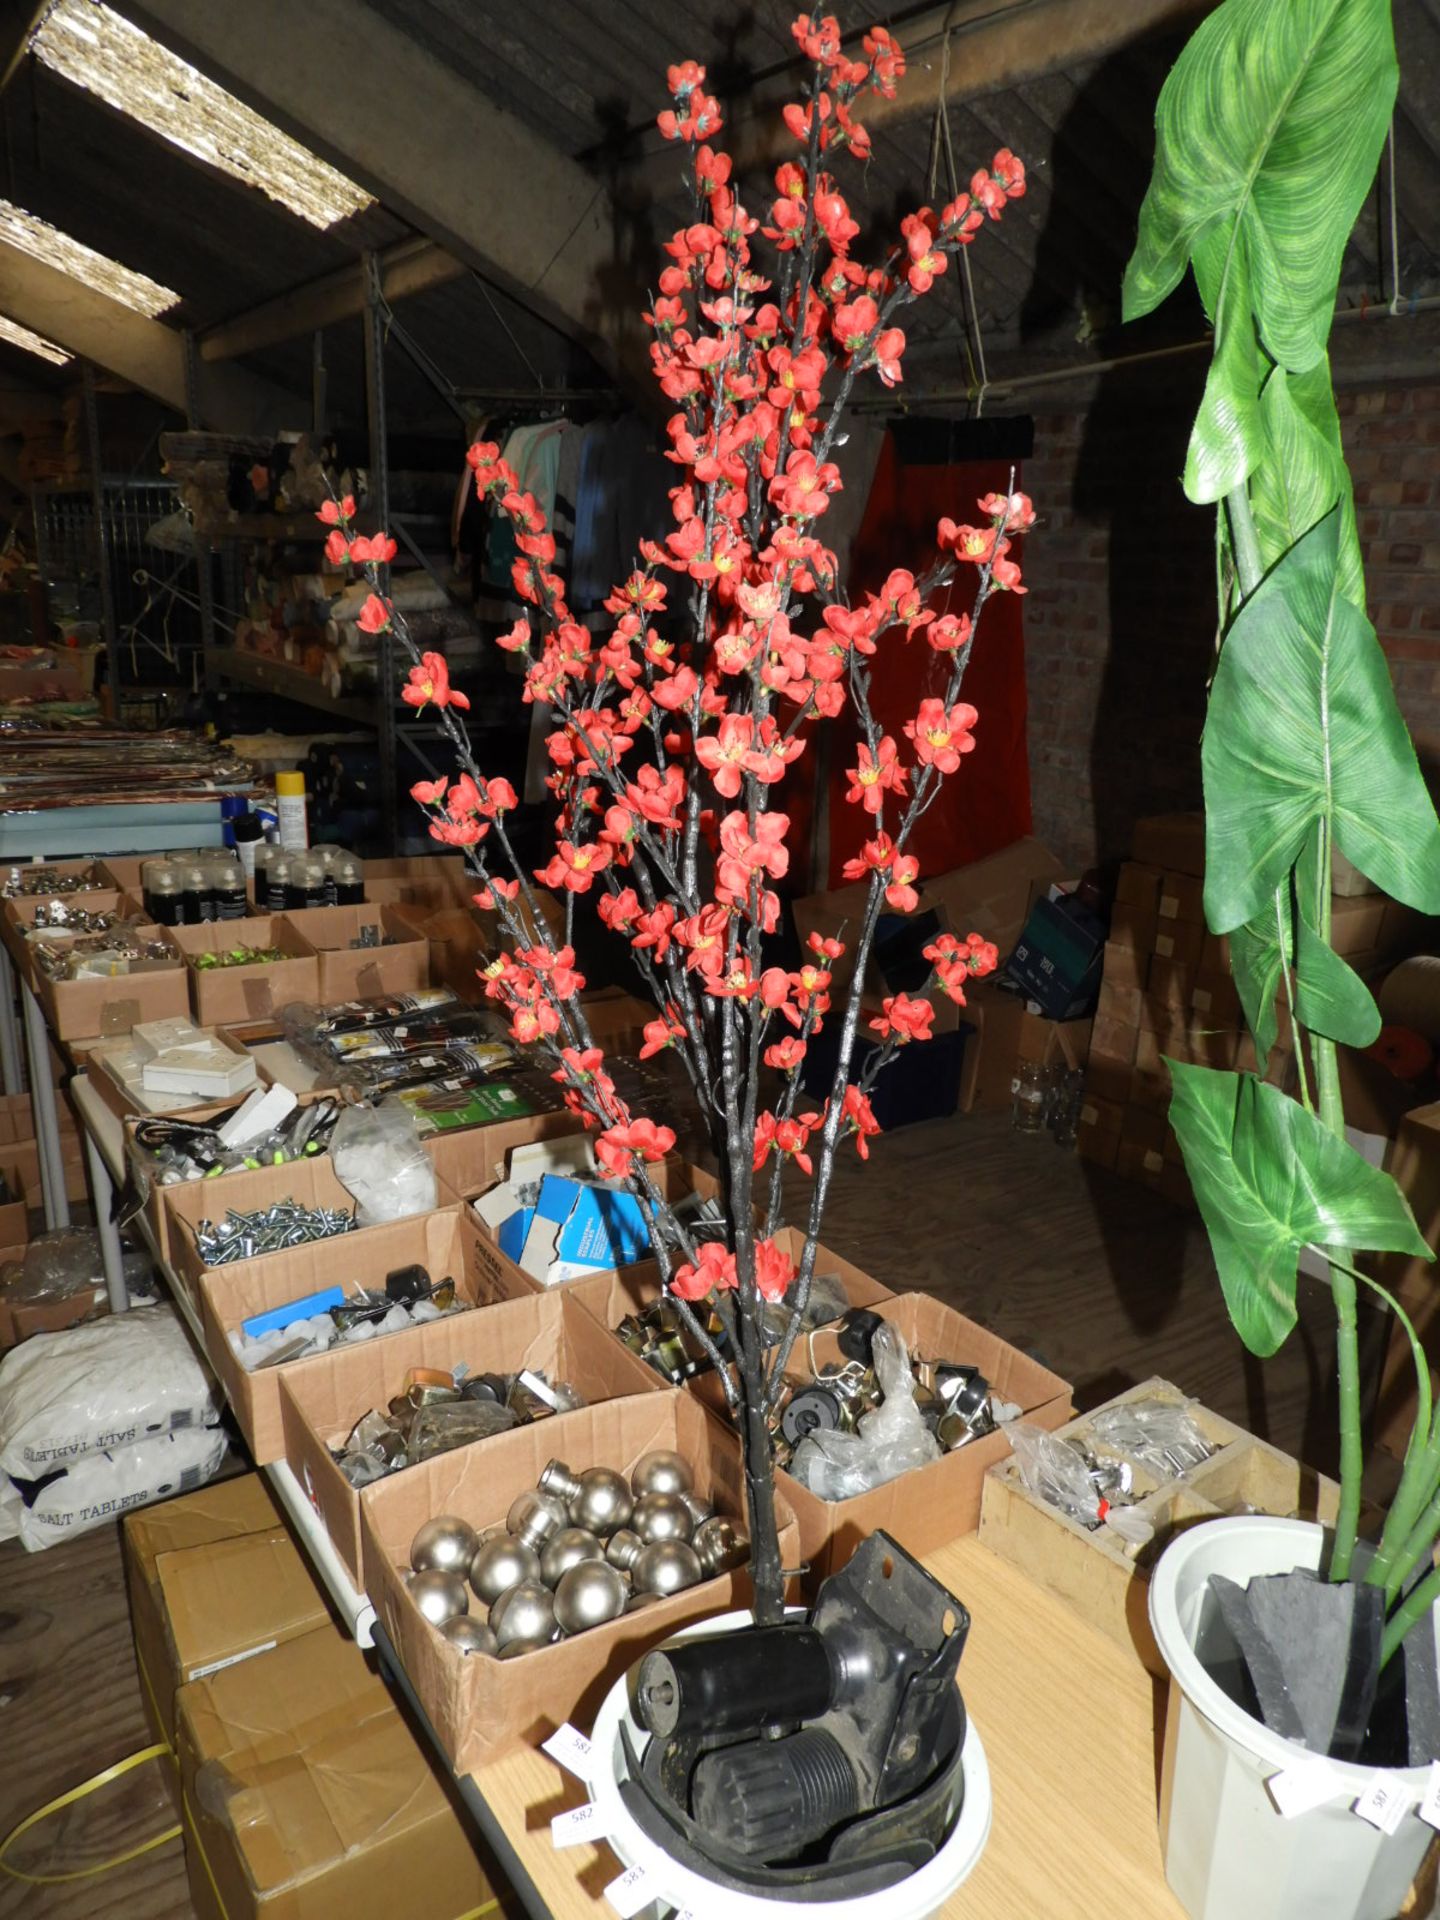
<point x="1229" y="1853"/>
<point x="677" y="1886"/>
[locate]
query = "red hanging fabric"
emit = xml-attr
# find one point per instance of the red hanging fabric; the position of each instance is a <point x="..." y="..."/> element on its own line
<point x="986" y="805"/>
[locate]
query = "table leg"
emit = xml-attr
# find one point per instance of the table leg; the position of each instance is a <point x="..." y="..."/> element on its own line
<point x="12" y="1072"/>
<point x="112" y="1254"/>
<point x="47" y="1122"/>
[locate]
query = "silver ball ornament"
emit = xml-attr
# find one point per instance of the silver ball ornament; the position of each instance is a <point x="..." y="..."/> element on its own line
<point x="439" y="1595"/>
<point x="662" y="1516"/>
<point x="720" y="1545"/>
<point x="469" y="1635"/>
<point x="700" y="1509"/>
<point x="622" y="1547"/>
<point x="534" y="1516"/>
<point x="501" y="1564"/>
<point x="446" y="1544"/>
<point x="513" y="1649"/>
<point x="661" y="1472"/>
<point x="526" y="1612"/>
<point x="669" y="1566"/>
<point x="589" y="1595"/>
<point x="602" y="1501"/>
<point x="566" y="1549"/>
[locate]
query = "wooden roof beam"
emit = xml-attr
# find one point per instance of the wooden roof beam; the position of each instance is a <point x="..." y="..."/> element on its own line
<point x="145" y="353"/>
<point x="338" y="75"/>
<point x="410" y="267"/>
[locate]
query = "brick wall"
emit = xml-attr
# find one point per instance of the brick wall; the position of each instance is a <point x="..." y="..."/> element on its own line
<point x="1119" y="622"/>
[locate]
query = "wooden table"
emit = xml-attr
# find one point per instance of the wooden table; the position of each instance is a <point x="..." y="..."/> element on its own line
<point x="1072" y="1727"/>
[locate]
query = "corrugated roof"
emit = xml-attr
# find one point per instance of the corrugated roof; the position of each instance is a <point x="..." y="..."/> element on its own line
<point x="590" y="77"/>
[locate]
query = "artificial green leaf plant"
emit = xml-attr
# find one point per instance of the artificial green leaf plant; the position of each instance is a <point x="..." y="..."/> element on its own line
<point x="1269" y="131"/>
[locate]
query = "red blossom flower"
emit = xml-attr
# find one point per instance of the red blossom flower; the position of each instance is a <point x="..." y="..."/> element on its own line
<point x="904" y="1019"/>
<point x="940" y="737"/>
<point x="713" y="1272"/>
<point x="430" y="681"/>
<point x="619" y="1147"/>
<point x="374" y="615"/>
<point x="876" y="774"/>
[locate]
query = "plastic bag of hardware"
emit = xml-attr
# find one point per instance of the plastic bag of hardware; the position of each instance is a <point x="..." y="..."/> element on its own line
<point x="377" y="1156"/>
<point x="106" y="1383"/>
<point x="888" y="1442"/>
<point x="1162" y="1436"/>
<point x="59" y="1265"/>
<point x="99" y="1487"/>
<point x="1062" y="1475"/>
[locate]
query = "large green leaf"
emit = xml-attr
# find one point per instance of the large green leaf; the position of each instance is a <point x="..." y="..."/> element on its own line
<point x="1256" y="953"/>
<point x="1330" y="997"/>
<point x="1268" y="129"/>
<point x="1229" y="439"/>
<point x="1270" y="1180"/>
<point x="1301" y="471"/>
<point x="1303" y="726"/>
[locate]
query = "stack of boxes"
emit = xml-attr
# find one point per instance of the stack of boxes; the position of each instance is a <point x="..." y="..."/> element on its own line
<point x="1167" y="992"/>
<point x="300" y="1787"/>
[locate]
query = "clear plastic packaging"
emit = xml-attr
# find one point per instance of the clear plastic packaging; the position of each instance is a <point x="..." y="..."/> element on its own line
<point x="58" y="1266"/>
<point x="1159" y="1434"/>
<point x="1064" y="1476"/>
<point x="102" y="1385"/>
<point x="377" y="1157"/>
<point x="888" y="1441"/>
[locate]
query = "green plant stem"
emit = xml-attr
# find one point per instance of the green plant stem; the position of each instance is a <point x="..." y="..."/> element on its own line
<point x="1249" y="566"/>
<point x="1342" y="1282"/>
<point x="1414" y="1607"/>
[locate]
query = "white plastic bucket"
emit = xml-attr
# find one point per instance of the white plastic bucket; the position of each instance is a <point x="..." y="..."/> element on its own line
<point x="677" y="1886"/>
<point x="1229" y="1853"/>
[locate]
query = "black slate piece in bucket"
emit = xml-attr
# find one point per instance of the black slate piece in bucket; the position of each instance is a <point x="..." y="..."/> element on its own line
<point x="1422" y="1693"/>
<point x="1312" y="1648"/>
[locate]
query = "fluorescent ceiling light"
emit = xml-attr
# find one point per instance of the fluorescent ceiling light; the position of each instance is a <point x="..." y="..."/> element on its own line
<point x="17" y="336"/>
<point x="36" y="236"/>
<point x="94" y="47"/>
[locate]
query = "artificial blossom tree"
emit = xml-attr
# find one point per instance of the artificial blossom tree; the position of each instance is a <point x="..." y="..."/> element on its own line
<point x="674" y="729"/>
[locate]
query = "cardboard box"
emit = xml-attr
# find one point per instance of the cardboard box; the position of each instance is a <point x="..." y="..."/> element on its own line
<point x="226" y="996"/>
<point x="1009" y="1033"/>
<point x="77" y="1010"/>
<point x="617" y="1019"/>
<point x="227" y="1296"/>
<point x="19" y="912"/>
<point x="474" y="1158"/>
<point x="1356" y="924"/>
<point x="1215" y="953"/>
<point x="1182" y="941"/>
<point x="610" y="1296"/>
<point x="498" y="1276"/>
<point x="991" y="897"/>
<point x="321" y="1399"/>
<point x="1097" y="1138"/>
<point x="1108" y="1077"/>
<point x="311" y="1182"/>
<point x="1174" y="840"/>
<point x="186" y="1612"/>
<point x="121" y="1091"/>
<point x="1058" y="957"/>
<point x="21" y="1322"/>
<point x="1134" y="928"/>
<point x="1138" y="886"/>
<point x="348" y="972"/>
<point x="14" y="1215"/>
<point x="1117" y="1039"/>
<point x="1126" y="969"/>
<point x="305" y="1794"/>
<point x="461" y="936"/>
<point x="935" y="1504"/>
<point x="420" y="880"/>
<point x="481" y="1708"/>
<point x="1117" y="1006"/>
<point x="1098" y="1574"/>
<point x="1215" y="1001"/>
